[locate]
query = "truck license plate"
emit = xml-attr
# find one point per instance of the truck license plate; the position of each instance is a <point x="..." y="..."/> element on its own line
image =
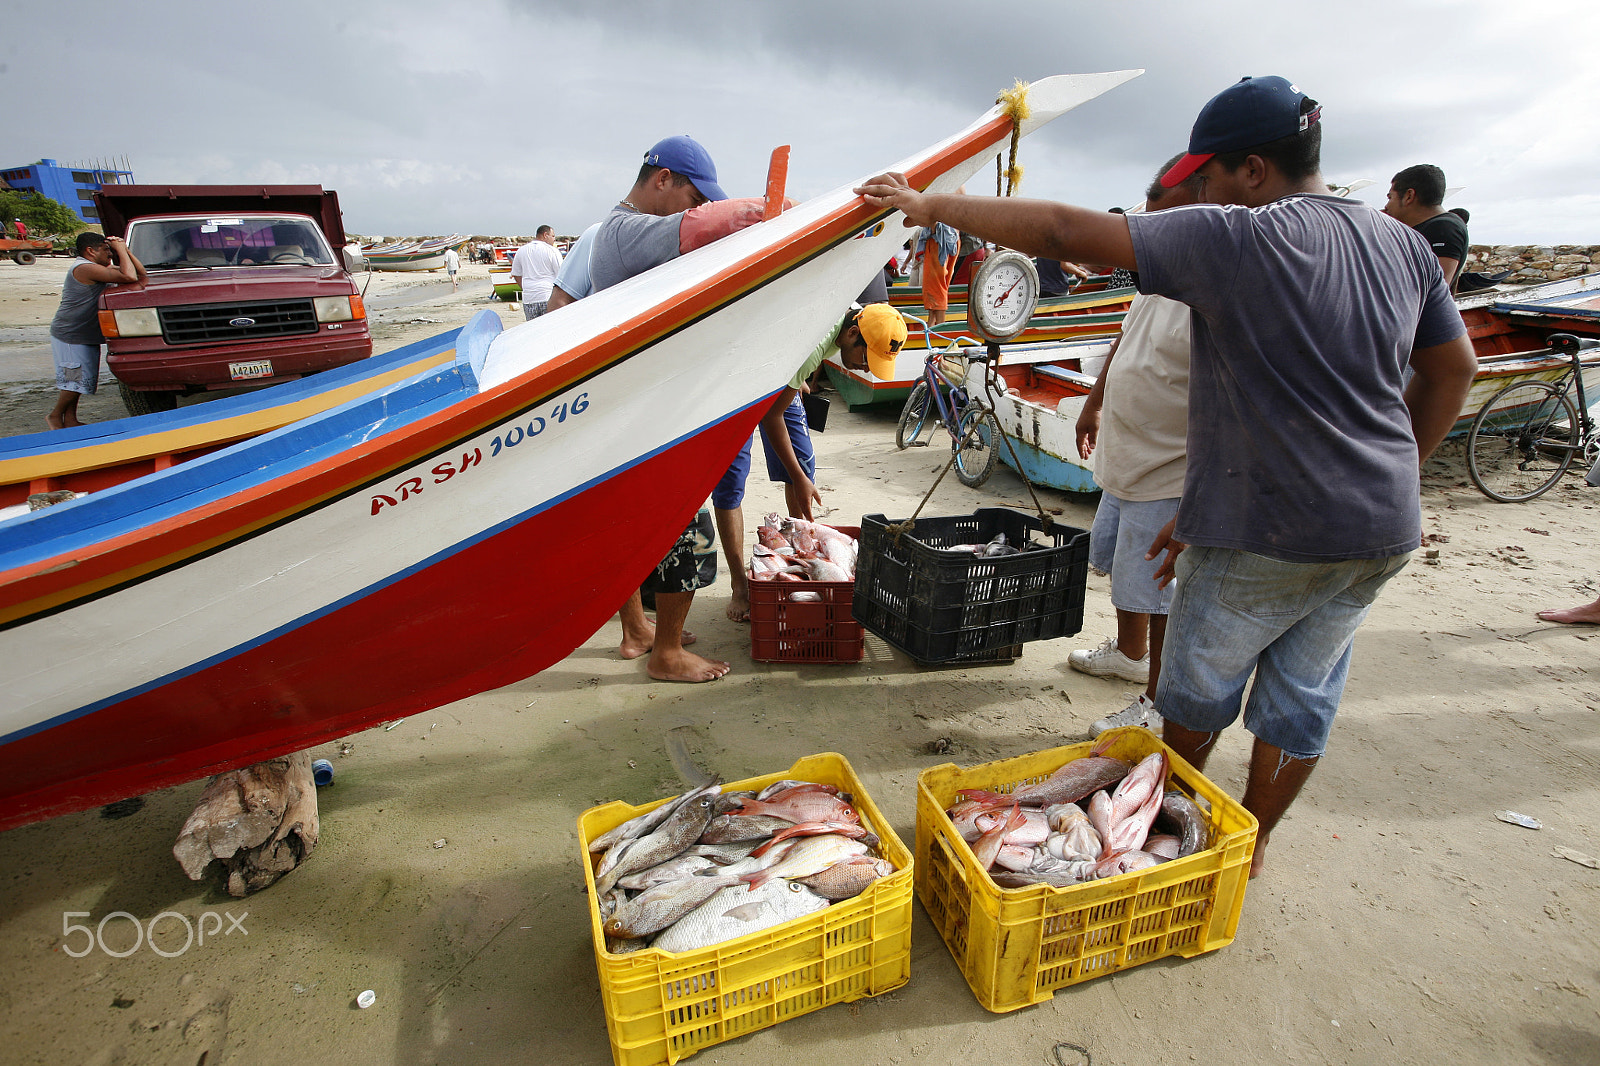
<point x="244" y="371"/>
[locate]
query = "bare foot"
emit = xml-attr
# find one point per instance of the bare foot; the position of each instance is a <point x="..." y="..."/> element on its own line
<point x="53" y="422"/>
<point x="739" y="606"/>
<point x="1258" y="858"/>
<point x="1587" y="615"/>
<point x="684" y="666"/>
<point x="635" y="645"/>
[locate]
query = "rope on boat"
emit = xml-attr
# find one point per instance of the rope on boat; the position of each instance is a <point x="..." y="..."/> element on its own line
<point x="1016" y="101"/>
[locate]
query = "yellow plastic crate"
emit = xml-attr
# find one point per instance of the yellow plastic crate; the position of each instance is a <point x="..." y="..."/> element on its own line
<point x="1017" y="946"/>
<point x="662" y="1006"/>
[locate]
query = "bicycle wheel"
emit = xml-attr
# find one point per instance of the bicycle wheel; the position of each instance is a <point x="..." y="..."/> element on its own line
<point x="1522" y="441"/>
<point x="914" y="417"/>
<point x="977" y="445"/>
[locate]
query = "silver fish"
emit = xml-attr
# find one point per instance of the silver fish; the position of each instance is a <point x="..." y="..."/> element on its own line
<point x="1188" y="820"/>
<point x="683" y="866"/>
<point x="674" y="836"/>
<point x="753" y="863"/>
<point x="646" y="822"/>
<point x="723" y="854"/>
<point x="807" y="856"/>
<point x="656" y="908"/>
<point x="733" y="828"/>
<point x="738" y="910"/>
<point x="1063" y="876"/>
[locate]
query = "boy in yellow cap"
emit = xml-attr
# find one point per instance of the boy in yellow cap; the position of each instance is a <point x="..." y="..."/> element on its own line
<point x="867" y="337"/>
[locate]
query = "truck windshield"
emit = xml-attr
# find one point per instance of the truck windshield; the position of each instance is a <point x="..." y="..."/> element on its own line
<point x="168" y="243"/>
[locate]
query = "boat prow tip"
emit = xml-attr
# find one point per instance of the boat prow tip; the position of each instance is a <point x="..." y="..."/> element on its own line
<point x="1049" y="98"/>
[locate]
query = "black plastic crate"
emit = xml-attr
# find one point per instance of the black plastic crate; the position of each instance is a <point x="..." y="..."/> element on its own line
<point x="939" y="606"/>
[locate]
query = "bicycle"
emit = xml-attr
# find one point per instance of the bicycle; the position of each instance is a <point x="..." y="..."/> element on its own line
<point x="938" y="398"/>
<point x="1529" y="433"/>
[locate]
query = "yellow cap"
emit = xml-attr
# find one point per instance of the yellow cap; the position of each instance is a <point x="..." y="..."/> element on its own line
<point x="884" y="330"/>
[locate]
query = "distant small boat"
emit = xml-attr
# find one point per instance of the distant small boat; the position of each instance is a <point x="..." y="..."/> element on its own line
<point x="412" y="255"/>
<point x="1036" y="343"/>
<point x="506" y="287"/>
<point x="1039" y="416"/>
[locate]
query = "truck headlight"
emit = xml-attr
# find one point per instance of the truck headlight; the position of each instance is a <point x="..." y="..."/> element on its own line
<point x="138" y="322"/>
<point x="338" y="308"/>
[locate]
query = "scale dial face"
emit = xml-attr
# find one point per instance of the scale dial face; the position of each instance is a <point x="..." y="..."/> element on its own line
<point x="1003" y="295"/>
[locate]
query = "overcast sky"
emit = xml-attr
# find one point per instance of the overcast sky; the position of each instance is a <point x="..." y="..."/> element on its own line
<point x="494" y="116"/>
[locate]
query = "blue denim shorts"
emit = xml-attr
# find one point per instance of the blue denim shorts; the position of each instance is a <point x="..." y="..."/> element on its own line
<point x="729" y="492"/>
<point x="1123" y="530"/>
<point x="1290" y="624"/>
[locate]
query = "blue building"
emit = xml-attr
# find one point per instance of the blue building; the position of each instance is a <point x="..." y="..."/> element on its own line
<point x="74" y="186"/>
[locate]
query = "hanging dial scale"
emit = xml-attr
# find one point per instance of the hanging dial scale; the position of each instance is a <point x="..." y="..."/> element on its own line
<point x="1003" y="295"/>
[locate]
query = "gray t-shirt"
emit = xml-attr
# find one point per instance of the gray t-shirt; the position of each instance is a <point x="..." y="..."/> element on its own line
<point x="77" y="320"/>
<point x="630" y="243"/>
<point x="1305" y="315"/>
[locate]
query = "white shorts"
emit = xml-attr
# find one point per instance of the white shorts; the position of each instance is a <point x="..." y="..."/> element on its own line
<point x="77" y="366"/>
<point x="1123" y="530"/>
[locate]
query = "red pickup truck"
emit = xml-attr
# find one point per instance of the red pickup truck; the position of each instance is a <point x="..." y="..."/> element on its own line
<point x="246" y="287"/>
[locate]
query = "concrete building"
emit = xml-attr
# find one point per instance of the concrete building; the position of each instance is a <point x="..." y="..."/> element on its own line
<point x="72" y="185"/>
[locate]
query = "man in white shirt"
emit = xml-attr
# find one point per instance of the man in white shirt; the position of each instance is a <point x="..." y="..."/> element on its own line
<point x="535" y="267"/>
<point x="452" y="266"/>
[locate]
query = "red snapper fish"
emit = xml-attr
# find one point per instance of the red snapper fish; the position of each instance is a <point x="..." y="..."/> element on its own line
<point x="988" y="845"/>
<point x="803" y="807"/>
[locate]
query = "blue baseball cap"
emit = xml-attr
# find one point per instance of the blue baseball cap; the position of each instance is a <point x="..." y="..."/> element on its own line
<point x="1250" y="112"/>
<point x="685" y="155"/>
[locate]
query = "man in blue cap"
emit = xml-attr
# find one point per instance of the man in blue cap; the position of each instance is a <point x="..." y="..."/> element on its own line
<point x="675" y="206"/>
<point x="1301" y="496"/>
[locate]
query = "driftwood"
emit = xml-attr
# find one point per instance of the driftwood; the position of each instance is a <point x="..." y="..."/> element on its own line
<point x="259" y="822"/>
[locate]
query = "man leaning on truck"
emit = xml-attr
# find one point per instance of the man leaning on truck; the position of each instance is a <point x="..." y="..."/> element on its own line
<point x="75" y="336"/>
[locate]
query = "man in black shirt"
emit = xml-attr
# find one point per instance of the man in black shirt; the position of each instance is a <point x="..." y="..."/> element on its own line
<point x="1416" y="197"/>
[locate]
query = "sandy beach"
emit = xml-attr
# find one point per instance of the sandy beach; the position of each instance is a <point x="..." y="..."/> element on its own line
<point x="1398" y="921"/>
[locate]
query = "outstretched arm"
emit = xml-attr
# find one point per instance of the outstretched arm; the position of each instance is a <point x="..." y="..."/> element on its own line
<point x="1034" y="227"/>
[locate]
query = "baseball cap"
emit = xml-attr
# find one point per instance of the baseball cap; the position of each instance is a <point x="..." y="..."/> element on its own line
<point x="885" y="333"/>
<point x="1249" y="112"/>
<point x="685" y="155"/>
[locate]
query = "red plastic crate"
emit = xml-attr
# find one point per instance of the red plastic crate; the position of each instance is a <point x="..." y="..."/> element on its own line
<point x="783" y="630"/>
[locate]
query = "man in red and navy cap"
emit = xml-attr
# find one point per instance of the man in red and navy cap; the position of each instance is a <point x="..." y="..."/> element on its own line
<point x="1301" y="496"/>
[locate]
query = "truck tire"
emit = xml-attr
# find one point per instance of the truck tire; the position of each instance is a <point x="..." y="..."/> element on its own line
<point x="25" y="258"/>
<point x="144" y="403"/>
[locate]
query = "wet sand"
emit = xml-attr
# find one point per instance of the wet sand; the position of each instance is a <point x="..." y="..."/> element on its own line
<point x="1399" y="921"/>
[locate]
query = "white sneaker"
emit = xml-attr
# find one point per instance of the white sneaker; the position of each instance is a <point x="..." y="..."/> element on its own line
<point x="1141" y="711"/>
<point x="1107" y="661"/>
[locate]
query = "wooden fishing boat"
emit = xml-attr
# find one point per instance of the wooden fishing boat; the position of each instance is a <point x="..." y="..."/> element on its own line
<point x="506" y="287"/>
<point x="412" y="255"/>
<point x="1039" y="416"/>
<point x="1099" y="301"/>
<point x="451" y="533"/>
<point x="1036" y="342"/>
<point x="95" y="457"/>
<point x="909" y="296"/>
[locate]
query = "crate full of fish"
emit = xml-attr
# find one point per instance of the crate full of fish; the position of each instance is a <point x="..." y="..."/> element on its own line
<point x="970" y="587"/>
<point x="733" y="907"/>
<point x="1054" y="868"/>
<point x="802" y="582"/>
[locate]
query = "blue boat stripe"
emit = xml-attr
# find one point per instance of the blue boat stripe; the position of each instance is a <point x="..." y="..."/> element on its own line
<point x="376" y="586"/>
